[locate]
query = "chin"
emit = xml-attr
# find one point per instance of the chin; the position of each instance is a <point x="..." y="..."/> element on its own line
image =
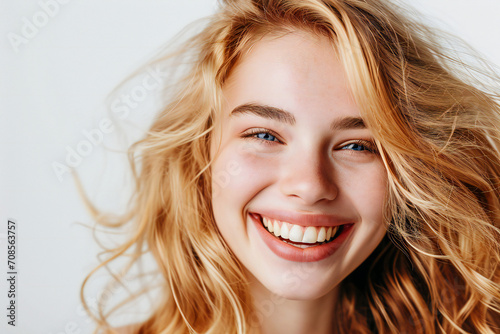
<point x="302" y="295"/>
<point x="297" y="285"/>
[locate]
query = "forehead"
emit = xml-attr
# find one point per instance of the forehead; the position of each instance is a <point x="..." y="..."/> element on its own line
<point x="293" y="71"/>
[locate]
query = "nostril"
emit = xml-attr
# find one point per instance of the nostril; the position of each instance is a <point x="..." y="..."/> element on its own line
<point x="311" y="192"/>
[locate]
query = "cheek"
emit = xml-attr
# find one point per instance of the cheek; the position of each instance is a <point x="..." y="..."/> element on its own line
<point x="238" y="174"/>
<point x="367" y="194"/>
<point x="367" y="190"/>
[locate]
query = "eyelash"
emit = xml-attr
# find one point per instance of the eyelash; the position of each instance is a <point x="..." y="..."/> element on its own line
<point x="253" y="132"/>
<point x="368" y="146"/>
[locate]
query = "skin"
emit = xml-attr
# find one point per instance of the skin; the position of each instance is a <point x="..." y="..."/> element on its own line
<point x="305" y="167"/>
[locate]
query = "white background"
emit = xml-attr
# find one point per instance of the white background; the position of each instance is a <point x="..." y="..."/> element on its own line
<point x="53" y="88"/>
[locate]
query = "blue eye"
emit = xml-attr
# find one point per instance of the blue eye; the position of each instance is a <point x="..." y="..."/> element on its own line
<point x="262" y="135"/>
<point x="265" y="136"/>
<point x="360" y="146"/>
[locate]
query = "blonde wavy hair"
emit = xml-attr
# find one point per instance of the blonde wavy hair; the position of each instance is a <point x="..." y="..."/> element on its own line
<point x="438" y="133"/>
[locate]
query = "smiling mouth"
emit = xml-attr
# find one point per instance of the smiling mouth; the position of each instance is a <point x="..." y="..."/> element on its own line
<point x="301" y="236"/>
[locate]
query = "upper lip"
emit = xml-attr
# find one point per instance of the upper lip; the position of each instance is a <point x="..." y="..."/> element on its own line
<point x="304" y="219"/>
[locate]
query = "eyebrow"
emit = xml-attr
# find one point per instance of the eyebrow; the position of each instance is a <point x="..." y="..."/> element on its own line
<point x="347" y="123"/>
<point x="269" y="112"/>
<point x="280" y="115"/>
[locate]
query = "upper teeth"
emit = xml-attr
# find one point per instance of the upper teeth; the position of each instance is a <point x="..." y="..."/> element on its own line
<point x="298" y="233"/>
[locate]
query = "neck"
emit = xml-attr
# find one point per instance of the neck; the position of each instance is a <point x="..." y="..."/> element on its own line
<point x="276" y="314"/>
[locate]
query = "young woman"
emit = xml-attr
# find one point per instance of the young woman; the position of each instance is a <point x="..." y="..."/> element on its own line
<point x="323" y="168"/>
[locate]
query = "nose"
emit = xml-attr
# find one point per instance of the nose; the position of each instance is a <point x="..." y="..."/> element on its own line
<point x="309" y="178"/>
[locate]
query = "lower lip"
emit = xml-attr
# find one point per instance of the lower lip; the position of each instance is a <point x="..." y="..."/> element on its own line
<point x="292" y="253"/>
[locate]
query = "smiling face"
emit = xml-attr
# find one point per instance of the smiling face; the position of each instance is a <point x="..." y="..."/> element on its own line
<point x="292" y="153"/>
